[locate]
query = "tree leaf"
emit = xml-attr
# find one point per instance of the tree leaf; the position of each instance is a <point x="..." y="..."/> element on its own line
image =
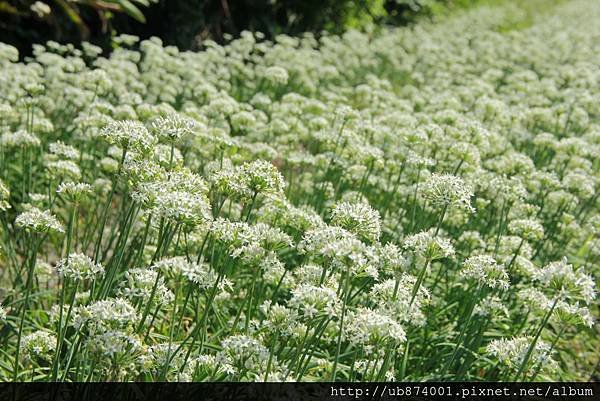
<point x="132" y="10"/>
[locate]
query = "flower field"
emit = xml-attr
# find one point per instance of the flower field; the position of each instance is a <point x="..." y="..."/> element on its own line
<point x="416" y="204"/>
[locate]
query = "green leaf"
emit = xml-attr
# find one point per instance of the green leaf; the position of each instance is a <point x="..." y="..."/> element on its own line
<point x="132" y="10"/>
<point x="145" y="3"/>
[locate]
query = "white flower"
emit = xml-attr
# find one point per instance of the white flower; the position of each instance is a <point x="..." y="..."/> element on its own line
<point x="565" y="281"/>
<point x="164" y="356"/>
<point x="179" y="196"/>
<point x="448" y="190"/>
<point x="358" y="218"/>
<point x="39" y="345"/>
<point x="312" y="301"/>
<point x="391" y="259"/>
<point x="243" y="121"/>
<point x="429" y="246"/>
<point x="528" y="229"/>
<point x="338" y="245"/>
<point x="486" y="271"/>
<point x="40" y="9"/>
<point x="245" y="354"/>
<point x="492" y="307"/>
<point x="37" y="220"/>
<point x="74" y="191"/>
<point x="64" y="169"/>
<point x="78" y="266"/>
<point x="138" y="285"/>
<point x="129" y="134"/>
<point x="19" y="139"/>
<point x="114" y="314"/>
<point x="4" y="197"/>
<point x="394" y="297"/>
<point x="198" y="273"/>
<point x="251" y="243"/>
<point x="263" y="177"/>
<point x="276" y="75"/>
<point x="173" y="127"/>
<point x="512" y="352"/>
<point x="534" y="299"/>
<point x="368" y="327"/>
<point x="62" y="150"/>
<point x="573" y="314"/>
<point x="278" y="318"/>
<point x="112" y="343"/>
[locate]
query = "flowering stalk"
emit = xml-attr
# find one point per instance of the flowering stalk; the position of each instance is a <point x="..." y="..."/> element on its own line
<point x="345" y="292"/>
<point x="464" y="328"/>
<point x="535" y="339"/>
<point x="108" y="204"/>
<point x="61" y="330"/>
<point x="28" y="287"/>
<point x="549" y="352"/>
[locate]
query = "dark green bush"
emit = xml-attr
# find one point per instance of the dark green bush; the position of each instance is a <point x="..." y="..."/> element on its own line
<point x="186" y="22"/>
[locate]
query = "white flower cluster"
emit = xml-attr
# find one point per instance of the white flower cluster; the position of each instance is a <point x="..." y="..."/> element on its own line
<point x="78" y="266"/>
<point x="394" y="296"/>
<point x="137" y="286"/>
<point x="197" y="273"/>
<point x="565" y="281"/>
<point x="245" y="356"/>
<point x="358" y="218"/>
<point x="364" y="206"/>
<point x="4" y="197"/>
<point x="312" y="301"/>
<point x="129" y="134"/>
<point x="369" y="329"/>
<point x="429" y="246"/>
<point x="74" y="191"/>
<point x="448" y="190"/>
<point x="39" y="345"/>
<point x="486" y="271"/>
<point x="251" y="243"/>
<point x="512" y="352"/>
<point x="178" y="196"/>
<point x="37" y="220"/>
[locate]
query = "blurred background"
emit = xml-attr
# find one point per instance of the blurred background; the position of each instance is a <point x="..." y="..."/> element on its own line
<point x="186" y="23"/>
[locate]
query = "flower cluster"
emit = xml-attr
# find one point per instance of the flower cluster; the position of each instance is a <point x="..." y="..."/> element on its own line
<point x="78" y="266"/>
<point x="37" y="220"/>
<point x="411" y="203"/>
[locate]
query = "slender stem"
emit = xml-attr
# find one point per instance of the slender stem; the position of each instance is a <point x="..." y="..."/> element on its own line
<point x="251" y="206"/>
<point x="107" y="205"/>
<point x="28" y="286"/>
<point x="340" y="333"/>
<point x="549" y="352"/>
<point x="420" y="278"/>
<point x="464" y="329"/>
<point x="439" y="225"/>
<point x="535" y="339"/>
<point x="61" y="330"/>
<point x="270" y="361"/>
<point x="414" y="208"/>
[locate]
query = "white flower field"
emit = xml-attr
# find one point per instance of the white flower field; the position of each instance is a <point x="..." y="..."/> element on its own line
<point x="419" y="203"/>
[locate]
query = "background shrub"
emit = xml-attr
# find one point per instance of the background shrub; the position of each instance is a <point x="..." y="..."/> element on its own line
<point x="185" y="23"/>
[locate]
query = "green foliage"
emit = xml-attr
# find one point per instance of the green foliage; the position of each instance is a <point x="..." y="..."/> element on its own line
<point x="25" y="22"/>
<point x="185" y="23"/>
<point x="416" y="203"/>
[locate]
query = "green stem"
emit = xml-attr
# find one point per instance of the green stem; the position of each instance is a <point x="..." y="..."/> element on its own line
<point x="420" y="278"/>
<point x="535" y="339"/>
<point x="463" y="330"/>
<point x="29" y="284"/>
<point x="107" y="206"/>
<point x="339" y="339"/>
